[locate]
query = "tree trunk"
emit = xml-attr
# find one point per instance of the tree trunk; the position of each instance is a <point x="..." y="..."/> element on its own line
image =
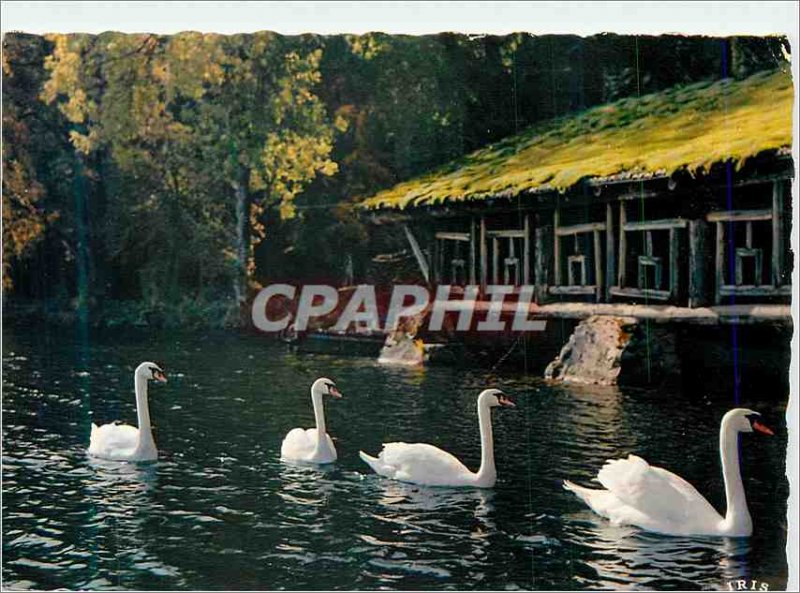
<point x="243" y="200"/>
<point x="82" y="252"/>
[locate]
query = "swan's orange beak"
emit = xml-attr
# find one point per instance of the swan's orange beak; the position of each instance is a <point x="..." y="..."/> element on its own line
<point x="762" y="428"/>
<point x="159" y="376"/>
<point x="504" y="401"/>
<point x="335" y="392"/>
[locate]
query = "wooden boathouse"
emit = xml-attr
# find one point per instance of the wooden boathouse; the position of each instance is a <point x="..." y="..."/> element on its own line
<point x="678" y="201"/>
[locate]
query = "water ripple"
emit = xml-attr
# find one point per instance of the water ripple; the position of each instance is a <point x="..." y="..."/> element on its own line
<point x="219" y="510"/>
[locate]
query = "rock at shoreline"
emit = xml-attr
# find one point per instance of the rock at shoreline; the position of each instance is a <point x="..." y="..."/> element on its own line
<point x="607" y="350"/>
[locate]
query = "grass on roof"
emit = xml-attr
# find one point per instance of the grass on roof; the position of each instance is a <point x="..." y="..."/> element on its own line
<point x="685" y="128"/>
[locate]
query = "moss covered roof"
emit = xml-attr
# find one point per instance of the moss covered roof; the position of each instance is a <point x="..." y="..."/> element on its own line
<point x="684" y="128"/>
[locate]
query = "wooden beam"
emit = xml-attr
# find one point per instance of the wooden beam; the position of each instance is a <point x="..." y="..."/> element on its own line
<point x="639" y="194"/>
<point x="420" y="257"/>
<point x="507" y="234"/>
<point x="574" y="290"/>
<point x="719" y="262"/>
<point x="728" y="290"/>
<point x="556" y="248"/>
<point x="484" y="255"/>
<point x="623" y="246"/>
<point x="598" y="266"/>
<point x="697" y="277"/>
<point x="777" y="233"/>
<point x="526" y="251"/>
<point x="641" y="293"/>
<point x="739" y="215"/>
<point x="578" y="229"/>
<point x="656" y="225"/>
<point x="444" y="235"/>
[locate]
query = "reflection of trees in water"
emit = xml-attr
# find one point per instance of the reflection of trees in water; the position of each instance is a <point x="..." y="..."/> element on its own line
<point x="121" y="502"/>
<point x="627" y="557"/>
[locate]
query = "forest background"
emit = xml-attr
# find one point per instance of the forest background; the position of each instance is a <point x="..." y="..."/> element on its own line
<point x="161" y="180"/>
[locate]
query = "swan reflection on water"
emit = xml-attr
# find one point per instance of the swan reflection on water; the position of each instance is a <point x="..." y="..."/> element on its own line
<point x="626" y="556"/>
<point x="120" y="486"/>
<point x="306" y="483"/>
<point x="122" y="502"/>
<point x="405" y="497"/>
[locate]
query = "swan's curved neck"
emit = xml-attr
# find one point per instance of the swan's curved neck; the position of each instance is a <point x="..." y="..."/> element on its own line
<point x="143" y="411"/>
<point x="487" y="471"/>
<point x="319" y="414"/>
<point x="737" y="516"/>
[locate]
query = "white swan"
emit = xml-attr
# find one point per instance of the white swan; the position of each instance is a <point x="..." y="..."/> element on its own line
<point x="654" y="499"/>
<point x="120" y="442"/>
<point x="421" y="463"/>
<point x="315" y="444"/>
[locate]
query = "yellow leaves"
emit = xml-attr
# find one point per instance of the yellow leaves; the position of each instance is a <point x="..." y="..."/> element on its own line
<point x="76" y="108"/>
<point x="64" y="65"/>
<point x="160" y="104"/>
<point x="293" y="159"/>
<point x="287" y="210"/>
<point x="23" y="222"/>
<point x="191" y="59"/>
<point x="84" y="143"/>
<point x="329" y="168"/>
<point x="366" y="46"/>
<point x="340" y="123"/>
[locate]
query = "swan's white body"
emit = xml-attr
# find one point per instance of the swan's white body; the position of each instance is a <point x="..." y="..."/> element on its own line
<point x="420" y="463"/>
<point x="120" y="442"/>
<point x="313" y="445"/>
<point x="657" y="500"/>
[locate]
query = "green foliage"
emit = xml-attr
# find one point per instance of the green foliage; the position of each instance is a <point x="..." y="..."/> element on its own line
<point x="30" y="155"/>
<point x="167" y="170"/>
<point x="179" y="119"/>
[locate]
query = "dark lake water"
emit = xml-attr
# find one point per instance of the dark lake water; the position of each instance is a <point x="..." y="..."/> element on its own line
<point x="218" y="510"/>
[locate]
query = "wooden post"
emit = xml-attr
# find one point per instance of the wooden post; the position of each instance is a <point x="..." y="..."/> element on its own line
<point x="415" y="248"/>
<point x="697" y="251"/>
<point x="674" y="272"/>
<point x="526" y="250"/>
<point x="511" y="255"/>
<point x="598" y="267"/>
<point x="777" y="232"/>
<point x="623" y="246"/>
<point x="540" y="262"/>
<point x="484" y="255"/>
<point x="439" y="260"/>
<point x="609" y="250"/>
<point x="719" y="262"/>
<point x="556" y="248"/>
<point x="472" y="258"/>
<point x="495" y="261"/>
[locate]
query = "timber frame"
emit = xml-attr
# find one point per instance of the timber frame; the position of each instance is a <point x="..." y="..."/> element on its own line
<point x="673" y="241"/>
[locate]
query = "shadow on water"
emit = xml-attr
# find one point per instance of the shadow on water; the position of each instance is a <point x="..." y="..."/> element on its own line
<point x="220" y="510"/>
